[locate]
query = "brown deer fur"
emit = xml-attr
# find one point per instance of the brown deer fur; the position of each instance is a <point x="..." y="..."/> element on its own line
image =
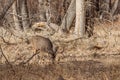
<point x="43" y="44"/>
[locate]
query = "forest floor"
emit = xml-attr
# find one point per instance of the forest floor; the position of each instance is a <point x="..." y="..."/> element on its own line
<point x="94" y="58"/>
<point x="75" y="70"/>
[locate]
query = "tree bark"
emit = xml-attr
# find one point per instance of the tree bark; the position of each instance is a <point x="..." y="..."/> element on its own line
<point x="42" y="12"/>
<point x="80" y="18"/>
<point x="25" y="15"/>
<point x="105" y="9"/>
<point x="68" y="18"/>
<point x="6" y="8"/>
<point x="114" y="7"/>
<point x="108" y="5"/>
<point x="15" y="17"/>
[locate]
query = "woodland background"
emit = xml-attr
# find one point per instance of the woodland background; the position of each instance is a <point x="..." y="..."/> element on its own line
<point x="93" y="56"/>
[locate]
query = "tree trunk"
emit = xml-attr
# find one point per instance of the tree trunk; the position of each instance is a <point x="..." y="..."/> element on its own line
<point x="114" y="7"/>
<point x="42" y="12"/>
<point x="108" y="5"/>
<point x="15" y="17"/>
<point x="68" y="18"/>
<point x="80" y="18"/>
<point x="105" y="9"/>
<point x="6" y="8"/>
<point x="24" y="13"/>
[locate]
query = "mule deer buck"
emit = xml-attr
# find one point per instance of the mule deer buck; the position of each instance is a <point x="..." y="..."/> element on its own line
<point x="43" y="44"/>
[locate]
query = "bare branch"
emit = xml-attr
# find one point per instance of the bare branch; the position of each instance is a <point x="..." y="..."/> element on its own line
<point x="6" y="8"/>
<point x="114" y="7"/>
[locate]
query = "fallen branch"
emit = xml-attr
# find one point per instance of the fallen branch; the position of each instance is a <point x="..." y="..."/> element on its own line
<point x="22" y="63"/>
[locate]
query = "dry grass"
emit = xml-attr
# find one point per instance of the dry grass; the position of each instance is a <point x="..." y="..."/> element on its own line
<point x="95" y="58"/>
<point x="76" y="70"/>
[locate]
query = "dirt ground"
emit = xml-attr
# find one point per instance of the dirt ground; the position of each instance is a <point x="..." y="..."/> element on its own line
<point x="75" y="70"/>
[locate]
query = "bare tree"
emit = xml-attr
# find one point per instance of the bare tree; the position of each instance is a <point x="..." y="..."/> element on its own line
<point x="25" y="16"/>
<point x="6" y="8"/>
<point x="80" y="18"/>
<point x="42" y="15"/>
<point x="15" y="17"/>
<point x="105" y="6"/>
<point x="114" y="7"/>
<point x="68" y="18"/>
